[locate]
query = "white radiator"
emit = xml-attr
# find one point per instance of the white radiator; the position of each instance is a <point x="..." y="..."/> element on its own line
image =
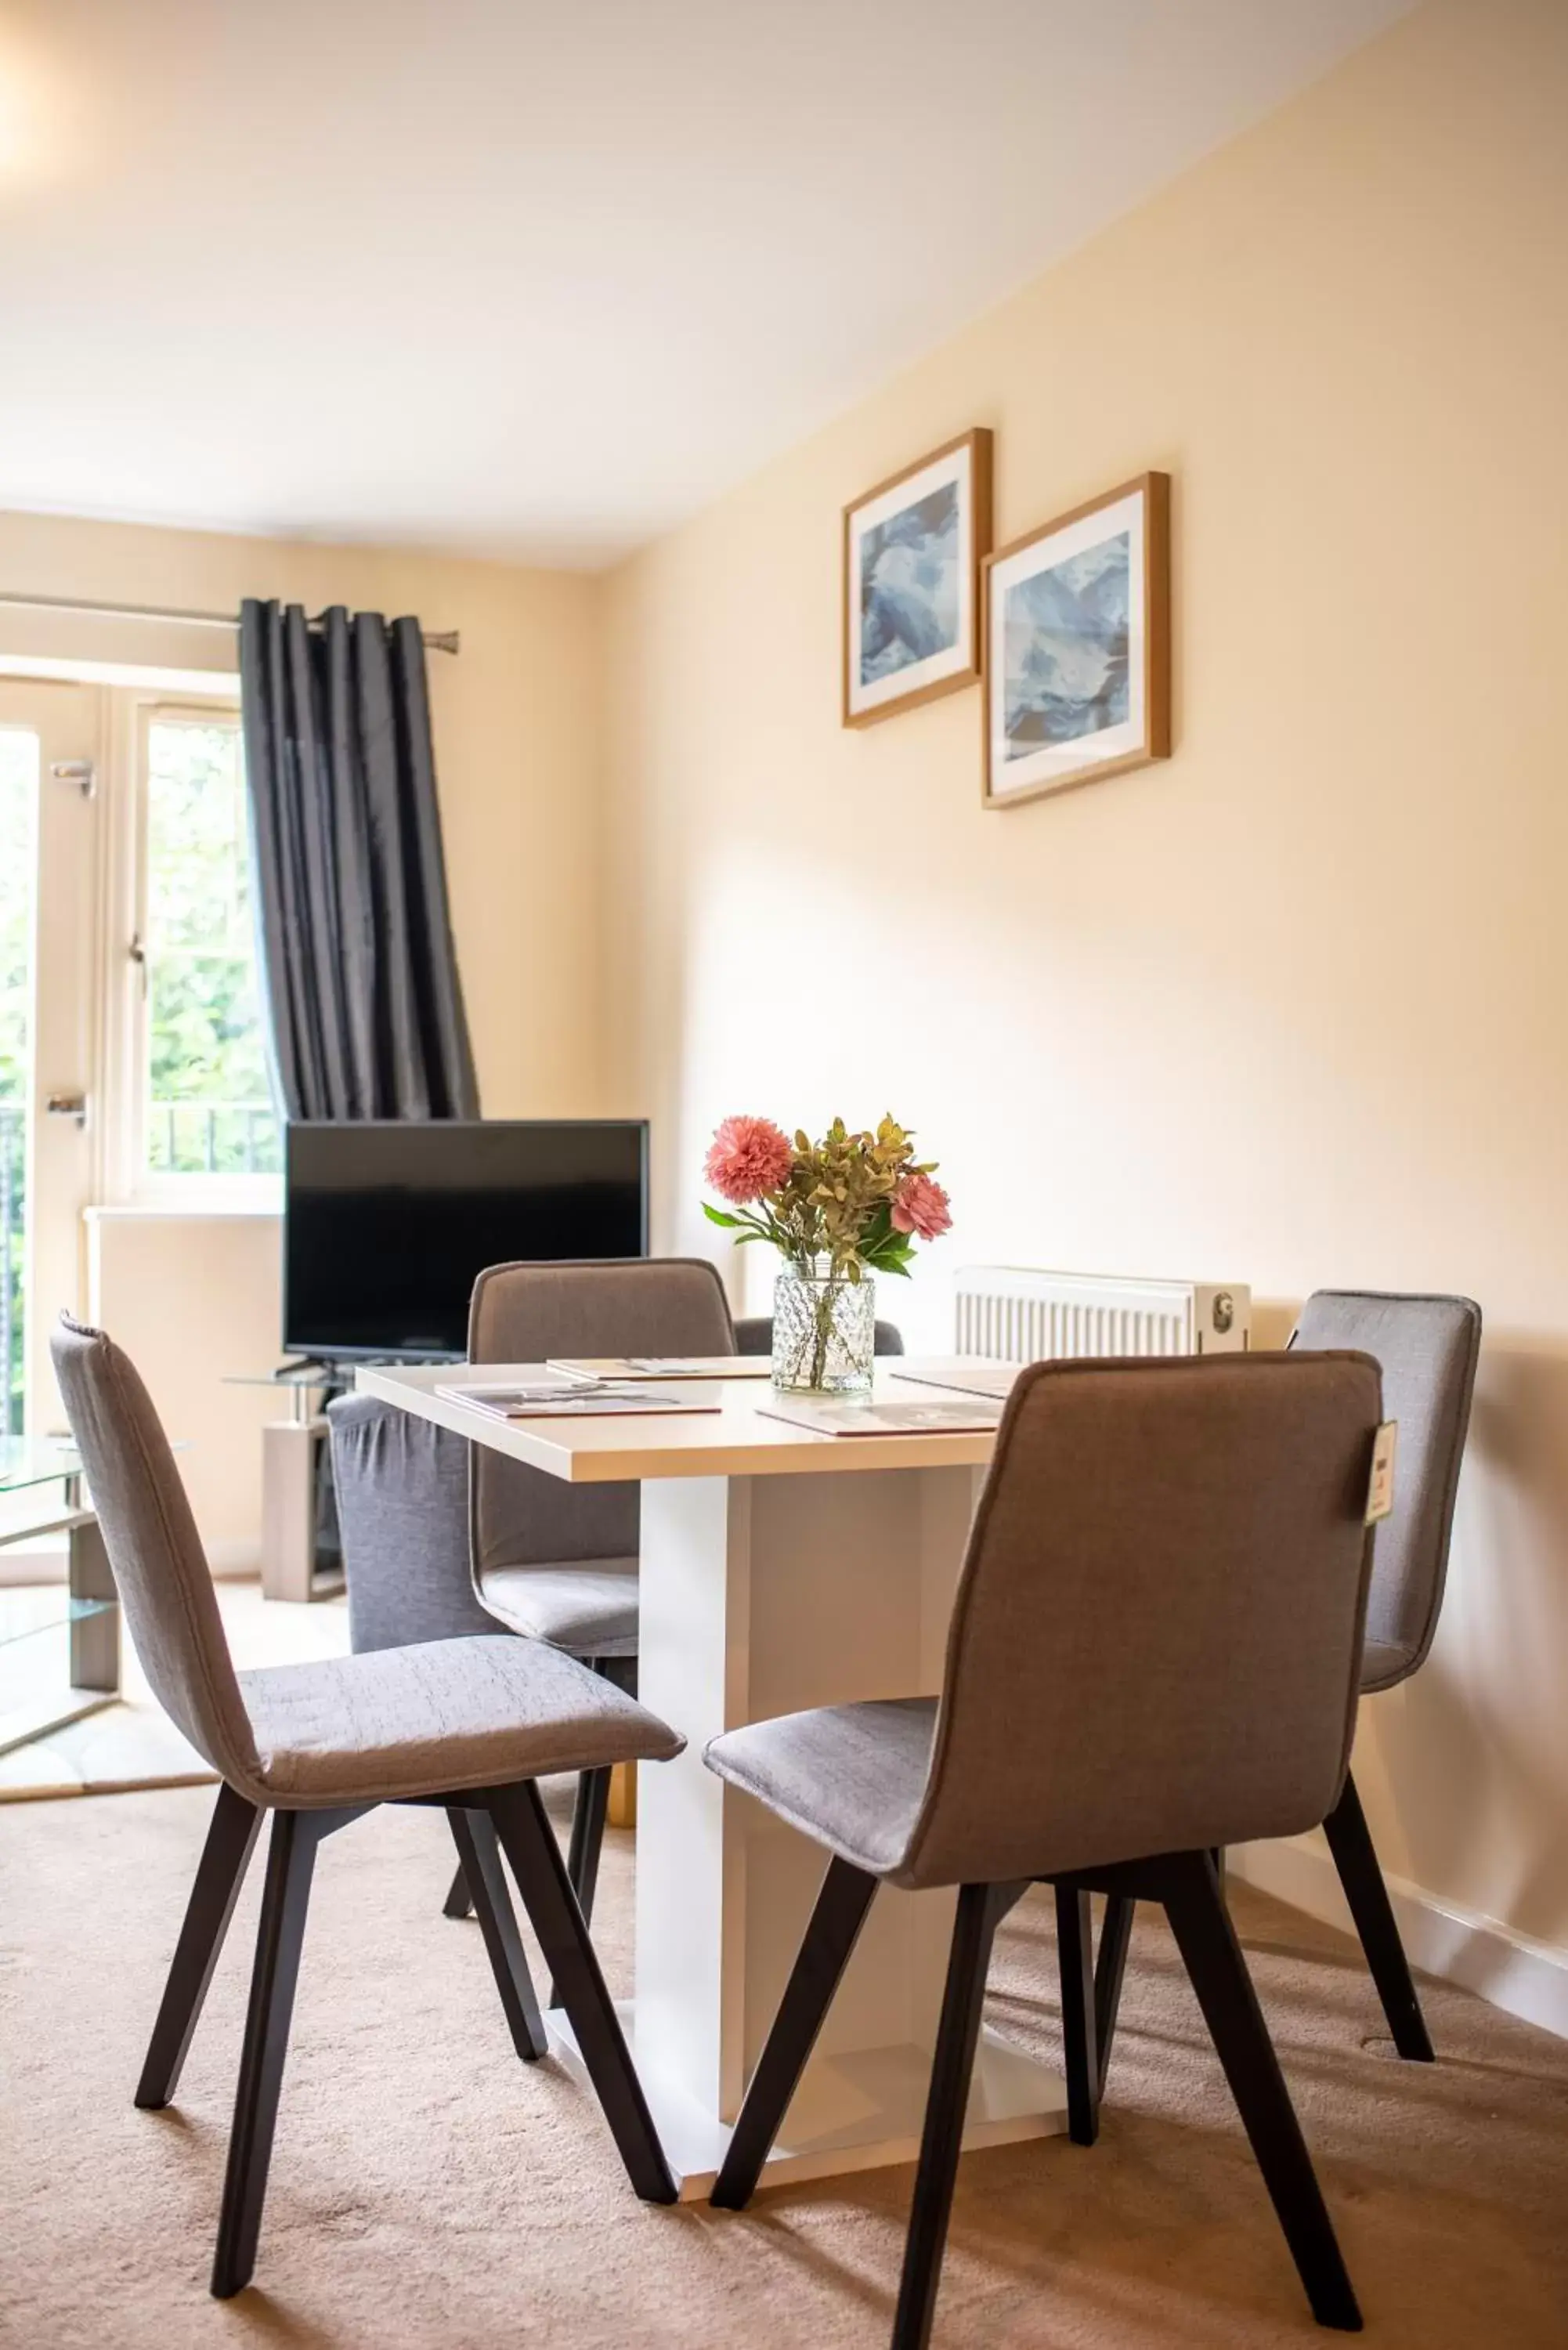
<point x="1025" y="1316"/>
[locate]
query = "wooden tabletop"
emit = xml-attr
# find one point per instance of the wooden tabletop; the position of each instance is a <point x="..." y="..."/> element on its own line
<point x="736" y="1440"/>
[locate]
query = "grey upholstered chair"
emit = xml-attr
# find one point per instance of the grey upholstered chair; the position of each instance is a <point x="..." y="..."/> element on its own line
<point x="557" y="1562"/>
<point x="754" y="1336"/>
<point x="1173" y="1549"/>
<point x="403" y="1500"/>
<point x="1427" y="1348"/>
<point x="401" y="1485"/>
<point x="468" y="1724"/>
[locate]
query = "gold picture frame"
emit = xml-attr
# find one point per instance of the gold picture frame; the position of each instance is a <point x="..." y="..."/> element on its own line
<point x="912" y="551"/>
<point x="1077" y="645"/>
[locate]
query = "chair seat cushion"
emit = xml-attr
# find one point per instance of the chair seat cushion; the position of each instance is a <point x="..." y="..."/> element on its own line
<point x="1383" y="1663"/>
<point x="587" y="1606"/>
<point x="471" y="1713"/>
<point x="850" y="1776"/>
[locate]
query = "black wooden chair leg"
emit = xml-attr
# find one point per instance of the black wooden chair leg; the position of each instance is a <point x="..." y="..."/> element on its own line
<point x="1213" y="1957"/>
<point x="589" y="1813"/>
<point x="1111" y="1965"/>
<point x="1350" y="1842"/>
<point x="1079" y="2039"/>
<point x="231" y="1839"/>
<point x="291" y="1858"/>
<point x="590" y="1808"/>
<point x="980" y="1909"/>
<point x="552" y="1906"/>
<point x="836" y="1922"/>
<point x="457" y="1903"/>
<point x="479" y="1866"/>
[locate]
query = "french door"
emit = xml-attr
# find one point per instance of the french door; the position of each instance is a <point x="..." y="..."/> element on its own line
<point x="51" y="754"/>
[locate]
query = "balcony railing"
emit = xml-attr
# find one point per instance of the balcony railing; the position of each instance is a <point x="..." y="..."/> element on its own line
<point x="13" y="1207"/>
<point x="201" y="1138"/>
<point x="184" y="1138"/>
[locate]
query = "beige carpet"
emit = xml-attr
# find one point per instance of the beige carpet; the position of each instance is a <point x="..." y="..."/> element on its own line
<point x="430" y="2190"/>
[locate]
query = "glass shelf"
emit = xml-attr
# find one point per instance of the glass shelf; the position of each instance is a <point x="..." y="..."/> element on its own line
<point x="42" y="1628"/>
<point x="36" y="1461"/>
<point x="59" y="1641"/>
<point x="28" y="1609"/>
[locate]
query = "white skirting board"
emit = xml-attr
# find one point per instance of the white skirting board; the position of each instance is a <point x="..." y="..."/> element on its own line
<point x="1524" y="1978"/>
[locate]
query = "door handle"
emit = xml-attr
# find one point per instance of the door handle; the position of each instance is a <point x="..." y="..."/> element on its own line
<point x="67" y="1105"/>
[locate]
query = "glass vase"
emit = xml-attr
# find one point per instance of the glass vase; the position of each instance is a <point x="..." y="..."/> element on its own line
<point x="825" y="1334"/>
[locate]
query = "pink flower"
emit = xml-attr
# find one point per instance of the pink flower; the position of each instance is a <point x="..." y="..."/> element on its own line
<point x="748" y="1156"/>
<point x="920" y="1206"/>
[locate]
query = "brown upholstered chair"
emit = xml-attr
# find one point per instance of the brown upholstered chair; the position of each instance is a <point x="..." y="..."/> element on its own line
<point x="1173" y="1553"/>
<point x="468" y="1724"/>
<point x="555" y="1562"/>
<point x="1428" y="1348"/>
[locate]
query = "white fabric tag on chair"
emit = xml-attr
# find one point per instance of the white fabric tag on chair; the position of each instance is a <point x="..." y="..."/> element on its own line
<point x="1380" y="1485"/>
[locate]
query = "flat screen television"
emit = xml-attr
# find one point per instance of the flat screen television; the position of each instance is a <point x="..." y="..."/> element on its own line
<point x="386" y="1222"/>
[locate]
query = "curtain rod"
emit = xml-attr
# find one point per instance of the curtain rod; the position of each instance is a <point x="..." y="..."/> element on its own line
<point x="444" y="640"/>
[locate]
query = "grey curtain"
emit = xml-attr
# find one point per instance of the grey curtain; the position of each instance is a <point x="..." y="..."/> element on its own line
<point x="360" y="973"/>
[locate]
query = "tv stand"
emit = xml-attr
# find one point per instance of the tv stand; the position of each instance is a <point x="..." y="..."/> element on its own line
<point x="301" y="1557"/>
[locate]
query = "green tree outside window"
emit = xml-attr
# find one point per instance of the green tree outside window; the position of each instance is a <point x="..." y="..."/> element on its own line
<point x="209" y="1107"/>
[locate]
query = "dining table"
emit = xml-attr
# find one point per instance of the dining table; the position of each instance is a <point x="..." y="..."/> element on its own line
<point x="782" y="1567"/>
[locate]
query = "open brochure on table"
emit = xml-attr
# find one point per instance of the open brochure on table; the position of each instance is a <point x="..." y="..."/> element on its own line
<point x="566" y="1400"/>
<point x="662" y="1366"/>
<point x="993" y="1379"/>
<point x="913" y="1418"/>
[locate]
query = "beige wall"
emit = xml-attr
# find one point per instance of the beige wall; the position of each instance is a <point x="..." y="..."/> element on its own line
<point x="514" y="719"/>
<point x="1292" y="1008"/>
<point x="191" y="1299"/>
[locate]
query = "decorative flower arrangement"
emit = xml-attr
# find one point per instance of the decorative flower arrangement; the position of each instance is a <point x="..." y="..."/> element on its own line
<point x="861" y="1201"/>
<point x="837" y="1210"/>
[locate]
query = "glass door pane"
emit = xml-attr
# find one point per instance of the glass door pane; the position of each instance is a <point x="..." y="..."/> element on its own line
<point x="49" y="925"/>
<point x="208" y="1108"/>
<point x="20" y="761"/>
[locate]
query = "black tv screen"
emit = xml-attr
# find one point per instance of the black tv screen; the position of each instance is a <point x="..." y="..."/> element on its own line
<point x="388" y="1222"/>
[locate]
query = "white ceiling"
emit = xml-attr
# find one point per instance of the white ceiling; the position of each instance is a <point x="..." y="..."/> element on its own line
<point x="536" y="281"/>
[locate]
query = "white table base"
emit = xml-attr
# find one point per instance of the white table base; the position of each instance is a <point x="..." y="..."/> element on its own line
<point x="761" y="1595"/>
<point x="856" y="2111"/>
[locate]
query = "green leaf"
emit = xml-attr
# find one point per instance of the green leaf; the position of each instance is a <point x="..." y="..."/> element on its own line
<point x="893" y="1253"/>
<point x="719" y="1216"/>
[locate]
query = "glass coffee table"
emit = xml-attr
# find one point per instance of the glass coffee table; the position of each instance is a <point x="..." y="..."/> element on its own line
<point x="59" y="1642"/>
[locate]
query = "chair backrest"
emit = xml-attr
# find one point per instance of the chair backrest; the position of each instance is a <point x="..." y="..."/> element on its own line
<point x="754" y="1336"/>
<point x="1427" y="1348"/>
<point x="1158" y="1629"/>
<point x="528" y="1312"/>
<point x="154" y="1551"/>
<point x="401" y="1485"/>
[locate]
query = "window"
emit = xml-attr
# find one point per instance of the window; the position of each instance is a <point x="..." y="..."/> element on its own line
<point x="133" y="1060"/>
<point x="18" y="795"/>
<point x="205" y="1108"/>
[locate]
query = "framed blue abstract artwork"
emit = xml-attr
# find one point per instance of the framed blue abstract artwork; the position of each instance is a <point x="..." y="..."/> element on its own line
<point x="1077" y="620"/>
<point x="912" y="551"/>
